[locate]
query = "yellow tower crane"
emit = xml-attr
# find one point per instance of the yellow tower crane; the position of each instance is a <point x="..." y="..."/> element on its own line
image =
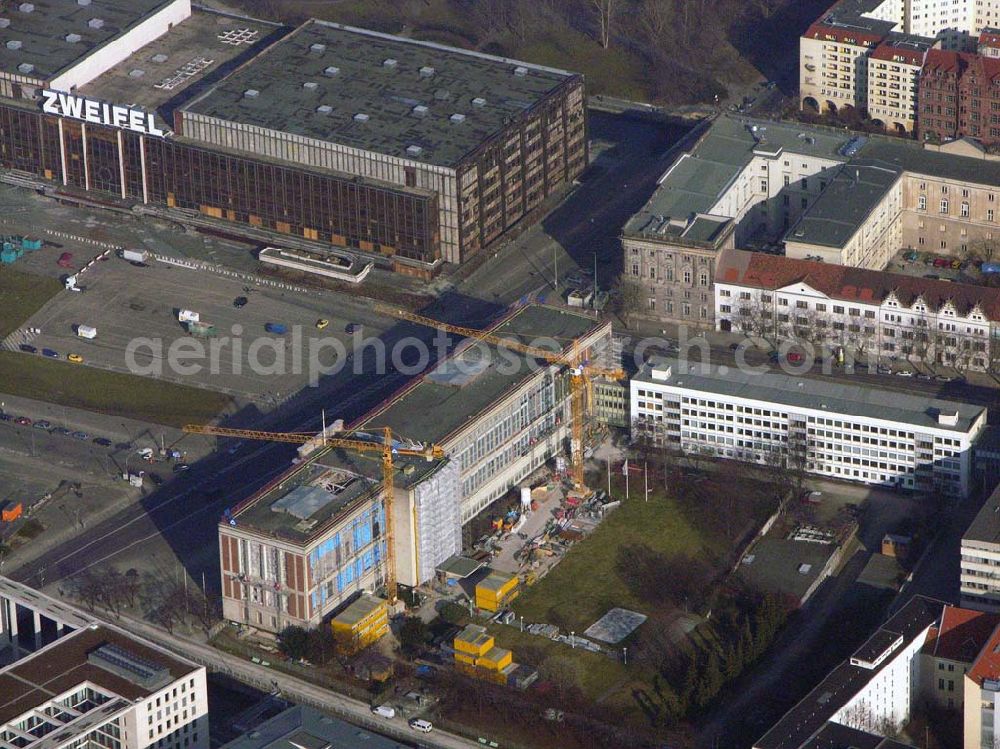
<point x="582" y="374"/>
<point x="385" y="446"/>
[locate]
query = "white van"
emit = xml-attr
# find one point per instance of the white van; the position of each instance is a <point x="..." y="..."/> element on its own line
<point x="384" y="710"/>
<point x="86" y="331"/>
<point x="419" y="724"/>
<point x="186" y="315"/>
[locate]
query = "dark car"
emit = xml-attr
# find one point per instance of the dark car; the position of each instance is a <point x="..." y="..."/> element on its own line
<point x="240" y="302"/>
<point x="735" y="346"/>
<point x="81" y="436"/>
<point x="181" y="467"/>
<point x="138" y="264"/>
<point x="51" y="353"/>
<point x="156" y="478"/>
<point x="774" y="357"/>
<point x="102" y="441"/>
<point x="28" y="348"/>
<point x="6" y="417"/>
<point x="352" y="327"/>
<point x="123" y="446"/>
<point x="63" y="431"/>
<point x="43" y="424"/>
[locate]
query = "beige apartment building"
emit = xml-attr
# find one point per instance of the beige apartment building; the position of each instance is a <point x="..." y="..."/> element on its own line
<point x="893" y="70"/>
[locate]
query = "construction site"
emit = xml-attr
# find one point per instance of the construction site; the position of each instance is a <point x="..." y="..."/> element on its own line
<point x="387" y="500"/>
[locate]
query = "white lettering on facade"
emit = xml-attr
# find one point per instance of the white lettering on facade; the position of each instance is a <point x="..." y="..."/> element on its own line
<point x="99" y="113"/>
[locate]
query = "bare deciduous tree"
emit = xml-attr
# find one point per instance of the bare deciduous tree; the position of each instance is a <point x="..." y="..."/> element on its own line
<point x="605" y="13"/>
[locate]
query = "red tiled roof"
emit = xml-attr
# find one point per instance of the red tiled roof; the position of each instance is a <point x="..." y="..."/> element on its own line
<point x="962" y="634"/>
<point x="989" y="38"/>
<point x="842" y="35"/>
<point x="947" y="61"/>
<point x="987" y="665"/>
<point x="888" y="51"/>
<point x="860" y="285"/>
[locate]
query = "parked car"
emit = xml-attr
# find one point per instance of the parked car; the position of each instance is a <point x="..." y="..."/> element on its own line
<point x="23" y="421"/>
<point x="75" y="358"/>
<point x="82" y="436"/>
<point x="883" y="369"/>
<point x="904" y="373"/>
<point x="956" y="264"/>
<point x="811" y="497"/>
<point x="123" y="446"/>
<point x="923" y="376"/>
<point x="102" y="441"/>
<point x="419" y="724"/>
<point x="181" y="467"/>
<point x="28" y="348"/>
<point x="240" y="302"/>
<point x="943" y="378"/>
<point x="62" y="431"/>
<point x="384" y="711"/>
<point x="51" y="353"/>
<point x="940" y="262"/>
<point x="794" y="357"/>
<point x="6" y="417"/>
<point x="65" y="260"/>
<point x="774" y="357"/>
<point x="156" y="478"/>
<point x="43" y="424"/>
<point x="322" y="323"/>
<point x="352" y="327"/>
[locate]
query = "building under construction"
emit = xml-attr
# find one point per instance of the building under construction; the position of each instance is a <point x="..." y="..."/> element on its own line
<point x="407" y="153"/>
<point x="302" y="546"/>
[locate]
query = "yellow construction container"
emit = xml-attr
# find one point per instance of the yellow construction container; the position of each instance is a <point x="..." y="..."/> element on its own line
<point x="476" y="654"/>
<point x="363" y="622"/>
<point x="496" y="590"/>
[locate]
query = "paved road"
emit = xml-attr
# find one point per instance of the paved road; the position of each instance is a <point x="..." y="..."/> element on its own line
<point x="296" y="689"/>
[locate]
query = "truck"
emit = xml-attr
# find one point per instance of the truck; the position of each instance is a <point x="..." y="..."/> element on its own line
<point x="134" y="256"/>
<point x="275" y="327"/>
<point x="201" y="329"/>
<point x="86" y="331"/>
<point x="186" y="315"/>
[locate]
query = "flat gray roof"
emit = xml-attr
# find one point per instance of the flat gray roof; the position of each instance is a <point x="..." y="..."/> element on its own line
<point x="986" y="526"/>
<point x="175" y="67"/>
<point x="432" y="410"/>
<point x="843" y="207"/>
<point x="815" y="393"/>
<point x="896" y="154"/>
<point x="349" y="71"/>
<point x="43" y="32"/>
<point x="305" y="728"/>
<point x="697" y="179"/>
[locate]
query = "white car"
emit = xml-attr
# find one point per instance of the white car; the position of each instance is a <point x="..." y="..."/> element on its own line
<point x="904" y="373"/>
<point x="384" y="711"/>
<point x="419" y="724"/>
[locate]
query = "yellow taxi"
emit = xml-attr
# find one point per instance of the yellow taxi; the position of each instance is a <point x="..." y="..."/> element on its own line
<point x="322" y="323"/>
<point x="75" y="358"/>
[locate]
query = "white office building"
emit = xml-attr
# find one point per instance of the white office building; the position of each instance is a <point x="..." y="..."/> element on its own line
<point x="980" y="567"/>
<point x="822" y="426"/>
<point x="75" y="682"/>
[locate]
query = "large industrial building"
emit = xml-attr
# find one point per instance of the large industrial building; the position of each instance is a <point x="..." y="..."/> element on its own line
<point x="408" y="153"/>
<point x="815" y="425"/>
<point x="72" y="681"/>
<point x="305" y="544"/>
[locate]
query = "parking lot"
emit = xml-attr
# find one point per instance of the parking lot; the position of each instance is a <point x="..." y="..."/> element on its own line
<point x="139" y="306"/>
<point x="936" y="267"/>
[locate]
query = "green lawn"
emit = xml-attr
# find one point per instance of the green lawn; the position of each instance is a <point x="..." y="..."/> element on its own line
<point x="111" y="393"/>
<point x="584" y="585"/>
<point x="22" y="295"/>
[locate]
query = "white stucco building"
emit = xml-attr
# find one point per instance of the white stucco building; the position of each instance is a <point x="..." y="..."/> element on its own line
<point x="90" y="684"/>
<point x="823" y="427"/>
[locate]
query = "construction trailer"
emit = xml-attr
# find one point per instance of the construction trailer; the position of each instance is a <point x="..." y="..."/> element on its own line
<point x="495" y="591"/>
<point x="477" y="655"/>
<point x="363" y="622"/>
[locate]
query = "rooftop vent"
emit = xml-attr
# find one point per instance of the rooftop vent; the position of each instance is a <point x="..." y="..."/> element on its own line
<point x="520" y="71"/>
<point x="159" y="57"/>
<point x="310" y="85"/>
<point x="324" y="109"/>
<point x="414" y="150"/>
<point x="26" y="7"/>
<point x="331" y="71"/>
<point x="251" y="93"/>
<point x="25" y="67"/>
<point x="96" y="23"/>
<point x="442" y="94"/>
<point x="457" y="118"/>
<point x="83" y="2"/>
<point x="73" y="38"/>
<point x="419" y="111"/>
<point x="136" y="73"/>
<point x="389" y="63"/>
<point x="427" y="72"/>
<point x="15" y="44"/>
<point x="4" y="23"/>
<point x="479" y="101"/>
<point x="317" y="48"/>
<point x="361" y="117"/>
